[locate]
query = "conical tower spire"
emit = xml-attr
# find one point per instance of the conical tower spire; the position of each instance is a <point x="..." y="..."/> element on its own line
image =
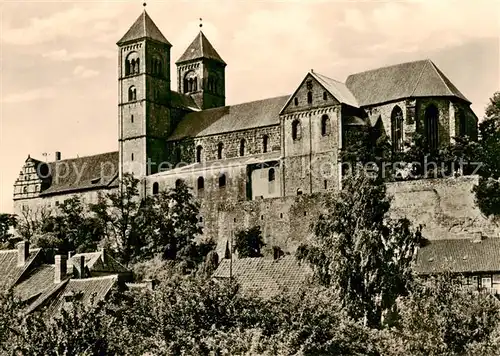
<point x="143" y="28"/>
<point x="200" y="48"/>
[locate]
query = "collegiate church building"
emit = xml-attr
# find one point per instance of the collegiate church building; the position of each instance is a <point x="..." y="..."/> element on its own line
<point x="258" y="162"/>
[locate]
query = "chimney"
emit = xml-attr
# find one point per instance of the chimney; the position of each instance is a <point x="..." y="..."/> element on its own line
<point x="23" y="252"/>
<point x="103" y="255"/>
<point x="58" y="156"/>
<point x="80" y="263"/>
<point x="60" y="270"/>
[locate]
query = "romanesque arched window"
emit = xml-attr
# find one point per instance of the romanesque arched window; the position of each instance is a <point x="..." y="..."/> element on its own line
<point x="137" y="67"/>
<point x="242" y="147"/>
<point x="462" y="123"/>
<point x="296" y="130"/>
<point x="220" y="149"/>
<point x="156" y="188"/>
<point x="178" y="183"/>
<point x="431" y="125"/>
<point x="397" y="129"/>
<point x="222" y="180"/>
<point x="271" y="175"/>
<point x="265" y="142"/>
<point x="201" y="183"/>
<point x="189" y="81"/>
<point x="325" y="95"/>
<point x="132" y="63"/>
<point x="325" y="125"/>
<point x="195" y="84"/>
<point x="132" y="93"/>
<point x="309" y="97"/>
<point x="199" y="151"/>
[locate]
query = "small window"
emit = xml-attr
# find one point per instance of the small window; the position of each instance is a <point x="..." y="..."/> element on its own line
<point x="201" y="183"/>
<point x="325" y="125"/>
<point x="309" y="97"/>
<point x="132" y="93"/>
<point x="234" y="220"/>
<point x="309" y="84"/>
<point x="281" y="215"/>
<point x="265" y="141"/>
<point x="262" y="217"/>
<point x="178" y="183"/>
<point x="132" y="157"/>
<point x="325" y="182"/>
<point x="299" y="191"/>
<point x="271" y="175"/>
<point x="296" y="130"/>
<point x="220" y="149"/>
<point x="325" y="96"/>
<point x="200" y="219"/>
<point x="296" y="101"/>
<point x="199" y="150"/>
<point x="25" y="189"/>
<point x="156" y="188"/>
<point x="222" y="181"/>
<point x="242" y="147"/>
<point x="132" y="118"/>
<point x="305" y="213"/>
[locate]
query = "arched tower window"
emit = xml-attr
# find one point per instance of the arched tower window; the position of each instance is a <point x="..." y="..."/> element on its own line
<point x="397" y="129"/>
<point x="220" y="149"/>
<point x="309" y="97"/>
<point x="201" y="183"/>
<point x="265" y="142"/>
<point x="271" y="175"/>
<point x="195" y="84"/>
<point x="325" y="125"/>
<point x="222" y="180"/>
<point x="431" y="126"/>
<point x="132" y="63"/>
<point x="296" y="130"/>
<point x="156" y="188"/>
<point x="242" y="147"/>
<point x="199" y="151"/>
<point x="137" y="66"/>
<point x="132" y="93"/>
<point x="189" y="82"/>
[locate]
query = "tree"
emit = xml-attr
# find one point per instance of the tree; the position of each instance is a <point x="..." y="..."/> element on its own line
<point x="248" y="242"/>
<point x="7" y="222"/>
<point x="122" y="217"/>
<point x="71" y="228"/>
<point x="359" y="251"/>
<point x="30" y="221"/>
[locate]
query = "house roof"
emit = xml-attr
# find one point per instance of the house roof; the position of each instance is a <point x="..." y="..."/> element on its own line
<point x="94" y="263"/>
<point x="38" y="281"/>
<point x="89" y="172"/>
<point x="87" y="290"/>
<point x="265" y="277"/>
<point x="183" y="101"/>
<point x="406" y="80"/>
<point x="459" y="256"/>
<point x="230" y="118"/>
<point x="338" y="89"/>
<point x="10" y="272"/>
<point x="142" y="28"/>
<point x="200" y="48"/>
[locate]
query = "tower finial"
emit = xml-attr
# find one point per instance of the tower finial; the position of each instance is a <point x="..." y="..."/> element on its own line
<point x="201" y="22"/>
<point x="144" y="4"/>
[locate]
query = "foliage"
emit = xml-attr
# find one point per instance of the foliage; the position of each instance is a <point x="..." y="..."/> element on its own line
<point x="30" y="222"/>
<point x="361" y="253"/>
<point x="70" y="228"/>
<point x="7" y="222"/>
<point x="248" y="242"/>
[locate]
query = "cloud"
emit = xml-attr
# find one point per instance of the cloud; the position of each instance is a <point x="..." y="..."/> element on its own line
<point x="82" y="72"/>
<point x="97" y="22"/>
<point x="30" y="95"/>
<point x="64" y="56"/>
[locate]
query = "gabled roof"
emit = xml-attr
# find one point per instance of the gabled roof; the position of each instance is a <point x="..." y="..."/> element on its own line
<point x="89" y="172"/>
<point x="38" y="281"/>
<point x="338" y="89"/>
<point x="10" y="272"/>
<point x="94" y="262"/>
<point x="459" y="256"/>
<point x="143" y="28"/>
<point x="230" y="118"/>
<point x="200" y="48"/>
<point x="406" y="80"/>
<point x="266" y="277"/>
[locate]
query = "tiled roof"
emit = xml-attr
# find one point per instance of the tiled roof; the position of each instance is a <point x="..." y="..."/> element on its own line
<point x="95" y="263"/>
<point x="230" y="118"/>
<point x="183" y="101"/>
<point x="38" y="281"/>
<point x="266" y="277"/>
<point x="90" y="289"/>
<point x="89" y="172"/>
<point x="222" y="165"/>
<point x="338" y="89"/>
<point x="405" y="80"/>
<point x="200" y="48"/>
<point x="459" y="256"/>
<point x="143" y="27"/>
<point x="10" y="272"/>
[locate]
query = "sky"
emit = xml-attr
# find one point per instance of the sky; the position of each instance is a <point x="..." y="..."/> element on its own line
<point x="58" y="78"/>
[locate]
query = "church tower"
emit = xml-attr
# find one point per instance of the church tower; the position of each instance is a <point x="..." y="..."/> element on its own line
<point x="201" y="74"/>
<point x="144" y="97"/>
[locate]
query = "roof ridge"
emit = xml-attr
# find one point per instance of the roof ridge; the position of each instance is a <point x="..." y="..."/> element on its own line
<point x="388" y="66"/>
<point x="441" y="78"/>
<point x="325" y="76"/>
<point x="90" y="279"/>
